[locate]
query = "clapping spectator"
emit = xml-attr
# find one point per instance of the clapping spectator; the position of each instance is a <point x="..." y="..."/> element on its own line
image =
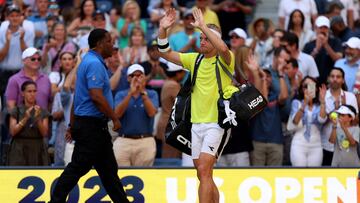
<point x="308" y="114"/>
<point x="28" y="126"/>
<point x="325" y="49"/>
<point x="136" y="108"/>
<point x="187" y="40"/>
<point x="136" y="51"/>
<point x="82" y="25"/>
<point x="130" y="19"/>
<point x="14" y="39"/>
<point x="56" y="45"/>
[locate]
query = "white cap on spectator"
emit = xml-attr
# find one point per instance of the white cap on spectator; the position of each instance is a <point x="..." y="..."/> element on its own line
<point x="239" y="32"/>
<point x="172" y="67"/>
<point x="322" y="21"/>
<point x="133" y="68"/>
<point x="29" y="52"/>
<point x="353" y="43"/>
<point x="345" y="111"/>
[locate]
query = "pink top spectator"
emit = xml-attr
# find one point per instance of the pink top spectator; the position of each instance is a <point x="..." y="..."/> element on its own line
<point x="43" y="95"/>
<point x="68" y="47"/>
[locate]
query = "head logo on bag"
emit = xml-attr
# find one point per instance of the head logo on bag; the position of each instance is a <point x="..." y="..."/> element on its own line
<point x="184" y="141"/>
<point x="254" y="103"/>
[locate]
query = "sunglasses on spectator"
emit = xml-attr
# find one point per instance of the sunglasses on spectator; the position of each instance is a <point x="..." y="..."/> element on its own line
<point x="135" y="75"/>
<point x="189" y="17"/>
<point x="234" y="37"/>
<point x="35" y="59"/>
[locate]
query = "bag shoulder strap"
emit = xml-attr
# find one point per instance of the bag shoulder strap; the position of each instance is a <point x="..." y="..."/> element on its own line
<point x="196" y="68"/>
<point x="218" y="78"/>
<point x="56" y="57"/>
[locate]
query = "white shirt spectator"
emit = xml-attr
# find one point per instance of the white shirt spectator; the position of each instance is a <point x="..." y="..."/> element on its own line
<point x="13" y="60"/>
<point x="350" y="99"/>
<point x="308" y="7"/>
<point x="307" y="65"/>
<point x="54" y="78"/>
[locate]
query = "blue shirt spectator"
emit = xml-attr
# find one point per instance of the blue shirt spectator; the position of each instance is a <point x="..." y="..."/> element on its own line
<point x="266" y="126"/>
<point x="135" y="120"/>
<point x="350" y="71"/>
<point x="92" y="74"/>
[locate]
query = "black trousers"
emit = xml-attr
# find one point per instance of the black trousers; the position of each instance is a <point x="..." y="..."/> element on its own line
<point x="327" y="158"/>
<point x="93" y="147"/>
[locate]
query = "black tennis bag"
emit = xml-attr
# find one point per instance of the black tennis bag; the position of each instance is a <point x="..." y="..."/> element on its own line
<point x="178" y="129"/>
<point x="246" y="103"/>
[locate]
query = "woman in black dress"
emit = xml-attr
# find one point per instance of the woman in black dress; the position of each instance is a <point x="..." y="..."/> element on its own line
<point x="28" y="127"/>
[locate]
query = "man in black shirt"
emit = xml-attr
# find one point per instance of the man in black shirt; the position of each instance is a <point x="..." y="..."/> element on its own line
<point x="325" y="49"/>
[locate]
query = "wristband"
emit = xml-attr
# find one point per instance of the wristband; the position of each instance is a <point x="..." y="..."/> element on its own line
<point x="162" y="42"/>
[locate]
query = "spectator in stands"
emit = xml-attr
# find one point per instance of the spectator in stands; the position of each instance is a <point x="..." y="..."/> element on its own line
<point x="226" y="10"/>
<point x="340" y="30"/>
<point x="39" y="20"/>
<point x="266" y="130"/>
<point x="136" y="108"/>
<point x="347" y="13"/>
<point x="295" y="76"/>
<point x="242" y="55"/>
<point x="154" y="68"/>
<point x="31" y="71"/>
<point x="237" y="38"/>
<point x="114" y="16"/>
<point x="287" y="6"/>
<point x="130" y="19"/>
<point x="98" y="21"/>
<point x="335" y="96"/>
<point x="170" y="89"/>
<point x="28" y="125"/>
<point x="187" y="40"/>
<point x="82" y="25"/>
<point x="56" y="45"/>
<point x="159" y="11"/>
<point x="345" y="137"/>
<point x="261" y="42"/>
<point x="308" y="115"/>
<point x="61" y="107"/>
<point x="14" y="39"/>
<point x="136" y="51"/>
<point x="115" y="67"/>
<point x="277" y="35"/>
<point x="296" y="25"/>
<point x="351" y="62"/>
<point x="307" y="65"/>
<point x="210" y="17"/>
<point x="325" y="49"/>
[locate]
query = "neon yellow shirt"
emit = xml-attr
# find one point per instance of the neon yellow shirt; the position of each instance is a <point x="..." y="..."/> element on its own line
<point x="205" y="95"/>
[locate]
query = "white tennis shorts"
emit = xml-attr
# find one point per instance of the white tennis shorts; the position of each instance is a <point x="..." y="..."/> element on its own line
<point x="207" y="138"/>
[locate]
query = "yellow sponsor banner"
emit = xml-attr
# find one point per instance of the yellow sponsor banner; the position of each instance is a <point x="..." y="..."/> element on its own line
<point x="180" y="185"/>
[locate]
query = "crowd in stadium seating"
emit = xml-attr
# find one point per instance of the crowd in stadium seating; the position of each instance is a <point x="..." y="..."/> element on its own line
<point x="306" y="65"/>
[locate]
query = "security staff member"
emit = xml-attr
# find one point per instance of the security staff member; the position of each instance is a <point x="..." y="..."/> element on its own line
<point x="93" y="105"/>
